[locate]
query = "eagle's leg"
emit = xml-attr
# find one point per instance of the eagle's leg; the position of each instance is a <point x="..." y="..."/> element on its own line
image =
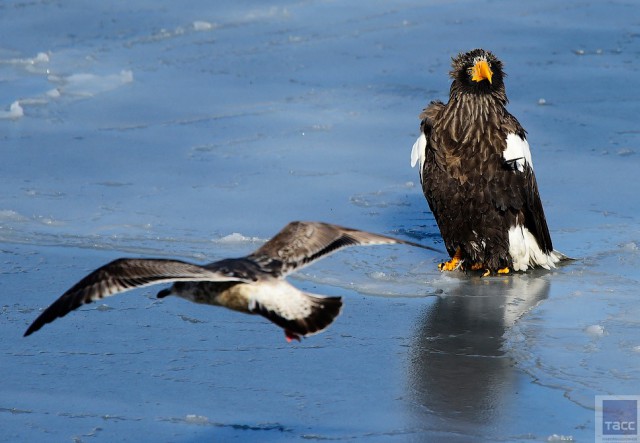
<point x="477" y="266"/>
<point x="452" y="264"/>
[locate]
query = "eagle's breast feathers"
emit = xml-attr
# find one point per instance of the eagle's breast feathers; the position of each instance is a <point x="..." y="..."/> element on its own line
<point x="477" y="173"/>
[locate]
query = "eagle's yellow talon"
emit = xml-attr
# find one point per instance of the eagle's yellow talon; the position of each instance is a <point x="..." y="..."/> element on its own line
<point x="502" y="271"/>
<point x="477" y="266"/>
<point x="452" y="264"/>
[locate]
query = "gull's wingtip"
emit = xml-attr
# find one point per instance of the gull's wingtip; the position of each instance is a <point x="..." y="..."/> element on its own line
<point x="45" y="317"/>
<point x="33" y="328"/>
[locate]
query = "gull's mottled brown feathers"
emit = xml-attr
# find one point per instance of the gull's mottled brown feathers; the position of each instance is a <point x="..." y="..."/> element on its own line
<point x="253" y="284"/>
<point x="122" y="275"/>
<point x="301" y="243"/>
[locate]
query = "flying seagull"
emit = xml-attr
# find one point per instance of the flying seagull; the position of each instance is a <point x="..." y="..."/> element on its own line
<point x="254" y="284"/>
<point x="477" y="175"/>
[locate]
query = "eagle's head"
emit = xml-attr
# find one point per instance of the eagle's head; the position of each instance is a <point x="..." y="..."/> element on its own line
<point x="478" y="72"/>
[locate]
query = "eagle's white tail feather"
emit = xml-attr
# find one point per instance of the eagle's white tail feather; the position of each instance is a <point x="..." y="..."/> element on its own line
<point x="526" y="253"/>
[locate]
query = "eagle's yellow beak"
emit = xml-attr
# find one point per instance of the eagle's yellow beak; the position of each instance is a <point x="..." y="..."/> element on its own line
<point x="481" y="71"/>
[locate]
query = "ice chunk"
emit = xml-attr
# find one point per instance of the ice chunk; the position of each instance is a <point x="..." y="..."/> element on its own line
<point x="199" y="25"/>
<point x="53" y="93"/>
<point x="196" y="419"/>
<point x="89" y="85"/>
<point x="379" y="275"/>
<point x="595" y="330"/>
<point x="15" y="111"/>
<point x="8" y="214"/>
<point x="41" y="57"/>
<point x="35" y="64"/>
<point x="624" y="152"/>
<point x="236" y="237"/>
<point x="556" y="437"/>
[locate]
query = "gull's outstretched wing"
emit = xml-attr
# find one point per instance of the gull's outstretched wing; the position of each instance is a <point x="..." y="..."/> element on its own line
<point x="302" y="243"/>
<point x="122" y="275"/>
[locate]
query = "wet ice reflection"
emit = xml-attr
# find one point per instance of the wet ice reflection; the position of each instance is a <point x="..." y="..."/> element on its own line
<point x="458" y="371"/>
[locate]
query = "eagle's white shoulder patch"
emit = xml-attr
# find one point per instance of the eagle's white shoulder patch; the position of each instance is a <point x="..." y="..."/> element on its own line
<point x="418" y="153"/>
<point x="517" y="151"/>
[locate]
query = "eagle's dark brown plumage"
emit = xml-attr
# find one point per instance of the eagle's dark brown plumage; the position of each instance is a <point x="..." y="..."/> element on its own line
<point x="477" y="175"/>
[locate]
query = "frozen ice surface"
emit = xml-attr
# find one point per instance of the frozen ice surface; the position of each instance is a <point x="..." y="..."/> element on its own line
<point x="197" y="130"/>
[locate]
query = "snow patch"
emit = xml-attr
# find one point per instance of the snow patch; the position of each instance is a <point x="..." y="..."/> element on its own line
<point x="557" y="437"/>
<point x="595" y="330"/>
<point x="15" y="112"/>
<point x="625" y="152"/>
<point x="199" y="25"/>
<point x="382" y="276"/>
<point x="53" y="93"/>
<point x="88" y="85"/>
<point x="31" y="64"/>
<point x="196" y="419"/>
<point x="236" y="237"/>
<point x="9" y="215"/>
